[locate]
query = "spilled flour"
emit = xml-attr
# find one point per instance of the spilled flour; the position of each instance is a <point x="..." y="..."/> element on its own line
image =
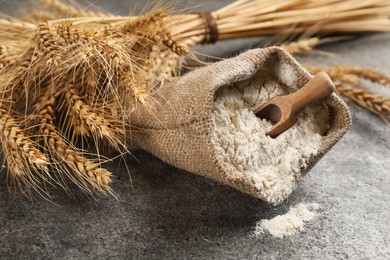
<point x="273" y="165"/>
<point x="288" y="224"/>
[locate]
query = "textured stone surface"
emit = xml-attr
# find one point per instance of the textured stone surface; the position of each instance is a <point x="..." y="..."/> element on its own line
<point x="168" y="213"/>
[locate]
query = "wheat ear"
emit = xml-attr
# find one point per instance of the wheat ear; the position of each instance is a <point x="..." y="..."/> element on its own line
<point x="336" y="74"/>
<point x="24" y="160"/>
<point x="84" y="171"/>
<point x="88" y="121"/>
<point x="365" y="73"/>
<point x="347" y="81"/>
<point x="49" y="43"/>
<point x="363" y="98"/>
<point x="302" y="45"/>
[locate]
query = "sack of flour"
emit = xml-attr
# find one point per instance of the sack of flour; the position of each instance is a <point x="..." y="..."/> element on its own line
<point x="203" y="122"/>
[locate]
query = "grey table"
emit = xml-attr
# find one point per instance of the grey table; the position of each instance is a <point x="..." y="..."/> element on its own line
<point x="168" y="213"/>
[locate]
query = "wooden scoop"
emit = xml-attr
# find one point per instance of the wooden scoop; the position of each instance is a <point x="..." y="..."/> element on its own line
<point x="283" y="111"/>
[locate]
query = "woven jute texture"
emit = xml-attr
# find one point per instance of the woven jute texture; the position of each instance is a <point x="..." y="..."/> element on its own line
<point x="177" y="124"/>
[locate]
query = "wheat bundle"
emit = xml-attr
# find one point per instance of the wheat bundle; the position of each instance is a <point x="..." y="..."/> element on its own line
<point x="80" y="77"/>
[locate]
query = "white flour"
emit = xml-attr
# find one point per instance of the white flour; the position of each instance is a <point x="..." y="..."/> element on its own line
<point x="288" y="224"/>
<point x="273" y="165"/>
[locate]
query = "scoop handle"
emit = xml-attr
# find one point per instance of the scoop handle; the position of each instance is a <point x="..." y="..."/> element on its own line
<point x="318" y="87"/>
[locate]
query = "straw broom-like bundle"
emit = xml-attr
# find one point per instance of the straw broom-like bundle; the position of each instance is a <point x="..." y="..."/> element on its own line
<point x="80" y="77"/>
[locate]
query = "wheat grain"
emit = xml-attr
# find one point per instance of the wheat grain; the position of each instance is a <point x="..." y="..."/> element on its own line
<point x="7" y="56"/>
<point x="164" y="65"/>
<point x="174" y="45"/>
<point x="4" y="50"/>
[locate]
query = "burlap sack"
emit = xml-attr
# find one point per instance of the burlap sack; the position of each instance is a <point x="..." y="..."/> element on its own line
<point x="177" y="125"/>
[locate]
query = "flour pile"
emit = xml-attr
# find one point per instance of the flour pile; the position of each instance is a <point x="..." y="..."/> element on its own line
<point x="273" y="165"/>
<point x="288" y="224"/>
